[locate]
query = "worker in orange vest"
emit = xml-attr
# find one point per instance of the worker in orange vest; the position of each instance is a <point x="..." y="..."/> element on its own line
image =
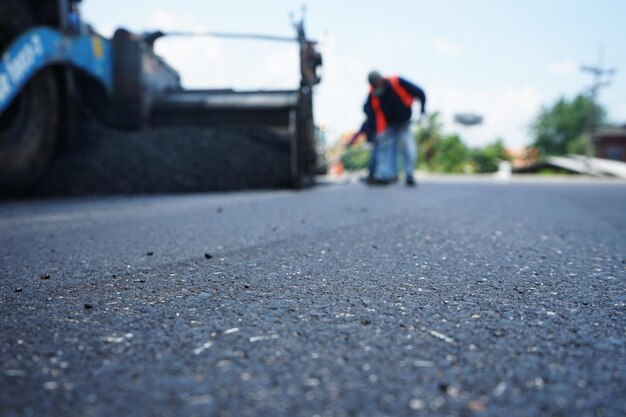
<point x="389" y="108"/>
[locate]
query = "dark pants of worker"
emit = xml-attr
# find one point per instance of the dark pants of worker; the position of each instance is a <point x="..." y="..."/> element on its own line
<point x="372" y="163"/>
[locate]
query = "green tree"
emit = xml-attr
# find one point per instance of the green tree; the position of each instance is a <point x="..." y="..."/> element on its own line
<point x="559" y="129"/>
<point x="451" y="155"/>
<point x="578" y="145"/>
<point x="486" y="159"/>
<point x="428" y="137"/>
<point x="355" y="158"/>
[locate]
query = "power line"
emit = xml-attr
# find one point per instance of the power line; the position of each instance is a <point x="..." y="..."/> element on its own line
<point x="254" y="36"/>
<point x="601" y="79"/>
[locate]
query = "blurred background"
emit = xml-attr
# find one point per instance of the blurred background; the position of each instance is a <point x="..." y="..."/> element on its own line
<point x="512" y="87"/>
<point x="503" y="60"/>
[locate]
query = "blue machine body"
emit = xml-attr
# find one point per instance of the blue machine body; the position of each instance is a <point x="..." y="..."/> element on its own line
<point x="41" y="47"/>
<point x="139" y="88"/>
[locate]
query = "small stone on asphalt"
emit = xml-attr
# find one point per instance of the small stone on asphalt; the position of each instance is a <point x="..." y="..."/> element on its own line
<point x="476" y="406"/>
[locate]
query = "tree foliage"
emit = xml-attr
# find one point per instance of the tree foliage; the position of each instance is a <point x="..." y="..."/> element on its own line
<point x="355" y="158"/>
<point x="559" y="128"/>
<point x="428" y="137"/>
<point x="451" y="155"/>
<point x="487" y="159"/>
<point x="439" y="152"/>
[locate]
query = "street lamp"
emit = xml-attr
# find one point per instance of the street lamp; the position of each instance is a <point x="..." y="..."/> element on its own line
<point x="468" y="119"/>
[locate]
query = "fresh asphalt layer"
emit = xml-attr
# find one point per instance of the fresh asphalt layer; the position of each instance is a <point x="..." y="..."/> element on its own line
<point x="455" y="298"/>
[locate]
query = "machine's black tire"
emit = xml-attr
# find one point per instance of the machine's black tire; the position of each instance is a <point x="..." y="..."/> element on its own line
<point x="28" y="127"/>
<point x="27" y="143"/>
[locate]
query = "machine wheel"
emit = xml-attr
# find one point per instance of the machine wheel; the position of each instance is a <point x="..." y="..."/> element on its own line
<point x="28" y="125"/>
<point x="303" y="150"/>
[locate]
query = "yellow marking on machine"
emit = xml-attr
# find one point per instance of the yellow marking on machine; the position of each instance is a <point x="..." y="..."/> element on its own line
<point x="96" y="45"/>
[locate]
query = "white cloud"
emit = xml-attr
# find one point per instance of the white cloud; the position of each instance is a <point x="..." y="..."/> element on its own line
<point x="507" y="112"/>
<point x="195" y="58"/>
<point x="106" y="30"/>
<point x="208" y="62"/>
<point x="165" y="20"/>
<point x="280" y="68"/>
<point x="446" y="47"/>
<point x="618" y="115"/>
<point x="339" y="98"/>
<point x="567" y="67"/>
<point x="212" y="63"/>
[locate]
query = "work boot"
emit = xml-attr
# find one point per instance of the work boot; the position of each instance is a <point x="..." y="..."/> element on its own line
<point x="410" y="181"/>
<point x="376" y="181"/>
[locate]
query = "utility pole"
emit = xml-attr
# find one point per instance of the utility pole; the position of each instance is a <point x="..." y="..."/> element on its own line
<point x="601" y="79"/>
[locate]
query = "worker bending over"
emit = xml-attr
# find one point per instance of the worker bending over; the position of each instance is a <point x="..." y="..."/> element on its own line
<point x="389" y="109"/>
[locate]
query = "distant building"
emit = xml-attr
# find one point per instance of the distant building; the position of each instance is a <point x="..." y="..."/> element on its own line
<point x="611" y="143"/>
<point x="523" y="157"/>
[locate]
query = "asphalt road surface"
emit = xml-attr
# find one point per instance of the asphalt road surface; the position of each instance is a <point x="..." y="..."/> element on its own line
<point x="455" y="298"/>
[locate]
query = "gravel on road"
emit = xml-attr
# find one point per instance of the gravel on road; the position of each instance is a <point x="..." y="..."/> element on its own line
<point x="455" y="299"/>
<point x="166" y="160"/>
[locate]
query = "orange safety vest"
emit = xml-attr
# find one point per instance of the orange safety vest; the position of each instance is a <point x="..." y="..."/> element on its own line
<point x="405" y="98"/>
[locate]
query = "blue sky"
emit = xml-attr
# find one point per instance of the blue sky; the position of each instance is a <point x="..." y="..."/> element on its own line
<point x="503" y="59"/>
